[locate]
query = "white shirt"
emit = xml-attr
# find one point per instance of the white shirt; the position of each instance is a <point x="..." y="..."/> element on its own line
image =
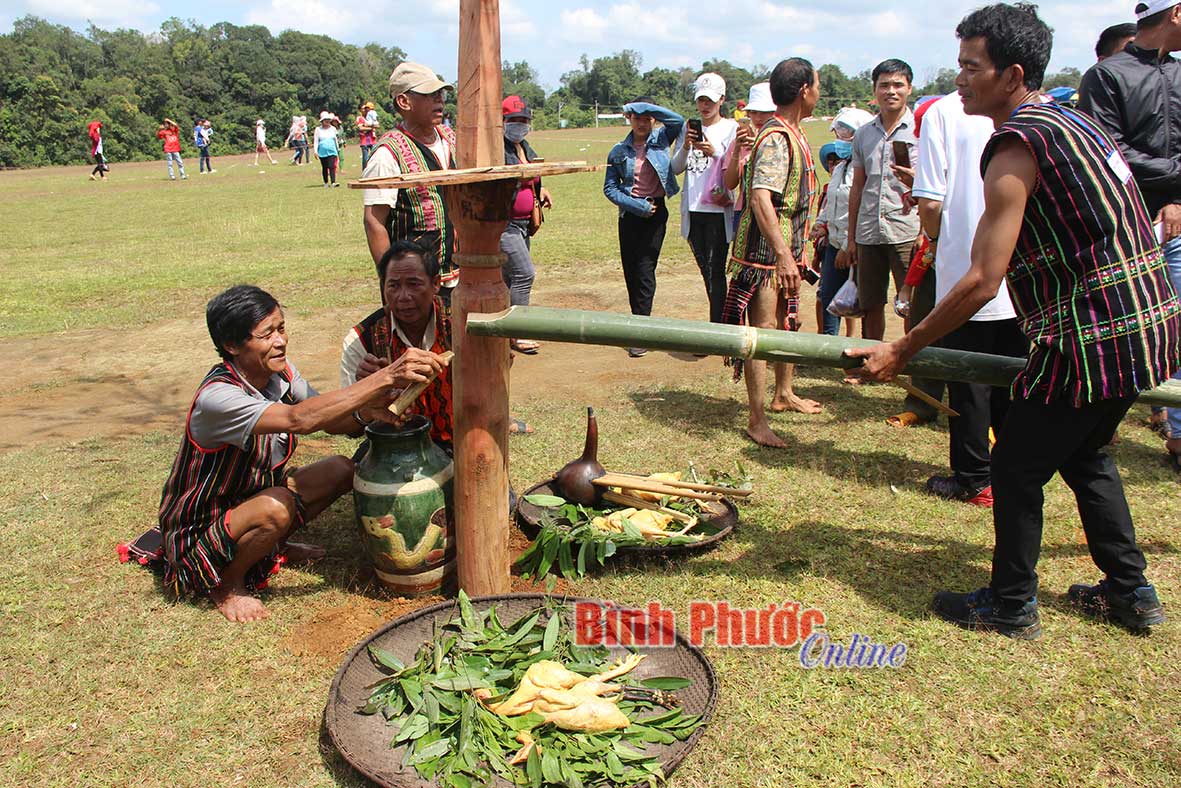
<point x="836" y="203"/>
<point x="260" y="134"/>
<point x="696" y="166"/>
<point x="353" y="351"/>
<point x="382" y="164"/>
<point x="950" y="145"/>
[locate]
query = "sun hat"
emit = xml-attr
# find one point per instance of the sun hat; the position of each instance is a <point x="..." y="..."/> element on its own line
<point x="367" y="105"/>
<point x="851" y="117"/>
<point x="515" y="106"/>
<point x="1147" y="8"/>
<point x="710" y="85"/>
<point x="415" y="78"/>
<point x="760" y="99"/>
<point x="260" y="122"/>
<point x="325" y="115"/>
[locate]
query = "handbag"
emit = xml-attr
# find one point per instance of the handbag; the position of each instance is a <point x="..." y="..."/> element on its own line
<point x="716" y="192"/>
<point x="536" y="216"/>
<point x="845" y="303"/>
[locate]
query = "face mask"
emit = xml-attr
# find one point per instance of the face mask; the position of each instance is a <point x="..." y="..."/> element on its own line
<point x="515" y="132"/>
<point x="843" y="148"/>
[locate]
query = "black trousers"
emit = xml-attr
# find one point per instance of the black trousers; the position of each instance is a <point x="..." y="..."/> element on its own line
<point x="640" y="240"/>
<point x="328" y="168"/>
<point x="707" y="239"/>
<point x="979" y="406"/>
<point x="1036" y="441"/>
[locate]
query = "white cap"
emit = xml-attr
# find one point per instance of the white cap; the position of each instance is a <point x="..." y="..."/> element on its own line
<point x="259" y="122"/>
<point x="759" y="99"/>
<point x="1153" y="7"/>
<point x="851" y="117"/>
<point x="326" y="115"/>
<point x="710" y="85"/>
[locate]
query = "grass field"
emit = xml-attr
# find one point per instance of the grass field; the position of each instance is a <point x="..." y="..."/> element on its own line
<point x="109" y="683"/>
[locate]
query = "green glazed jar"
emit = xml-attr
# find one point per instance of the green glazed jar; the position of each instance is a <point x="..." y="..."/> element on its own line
<point x="402" y="496"/>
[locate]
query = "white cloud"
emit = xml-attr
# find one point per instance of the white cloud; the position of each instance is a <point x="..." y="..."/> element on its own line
<point x="123" y="13"/>
<point x="583" y="25"/>
<point x="310" y="16"/>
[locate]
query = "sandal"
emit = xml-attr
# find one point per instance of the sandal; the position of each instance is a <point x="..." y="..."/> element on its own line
<point x="905" y="419"/>
<point x="519" y="427"/>
<point x="526" y="346"/>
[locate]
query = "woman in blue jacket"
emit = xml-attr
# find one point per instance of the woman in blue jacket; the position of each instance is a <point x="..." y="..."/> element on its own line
<point x="639" y="179"/>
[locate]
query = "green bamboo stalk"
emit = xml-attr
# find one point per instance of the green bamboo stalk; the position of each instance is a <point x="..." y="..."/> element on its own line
<point x="694" y="336"/>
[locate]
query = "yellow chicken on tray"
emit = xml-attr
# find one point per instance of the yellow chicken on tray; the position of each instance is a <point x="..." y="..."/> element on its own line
<point x="653" y="496"/>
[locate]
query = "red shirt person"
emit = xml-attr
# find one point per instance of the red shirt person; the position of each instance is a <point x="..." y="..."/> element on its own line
<point x="169" y="131"/>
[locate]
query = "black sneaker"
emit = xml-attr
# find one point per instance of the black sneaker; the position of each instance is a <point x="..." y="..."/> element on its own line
<point x="979" y="611"/>
<point x="1137" y="610"/>
<point x="948" y="488"/>
<point x="637" y="352"/>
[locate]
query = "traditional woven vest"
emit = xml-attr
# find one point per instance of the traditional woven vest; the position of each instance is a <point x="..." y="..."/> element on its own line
<point x="420" y="213"/>
<point x="205" y="484"/>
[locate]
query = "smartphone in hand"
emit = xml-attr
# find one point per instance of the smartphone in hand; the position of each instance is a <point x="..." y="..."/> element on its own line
<point x="901" y="154"/>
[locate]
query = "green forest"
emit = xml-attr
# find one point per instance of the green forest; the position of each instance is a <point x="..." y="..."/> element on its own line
<point x="54" y="80"/>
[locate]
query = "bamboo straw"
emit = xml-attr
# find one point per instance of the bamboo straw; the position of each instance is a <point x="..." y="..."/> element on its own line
<point x="909" y="388"/>
<point x="640" y="503"/>
<point x="646" y="485"/>
<point x="414" y="391"/>
<point x="737" y="492"/>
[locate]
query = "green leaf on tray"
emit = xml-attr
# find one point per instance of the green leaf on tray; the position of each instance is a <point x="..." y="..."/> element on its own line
<point x="540" y="499"/>
<point x="666" y="683"/>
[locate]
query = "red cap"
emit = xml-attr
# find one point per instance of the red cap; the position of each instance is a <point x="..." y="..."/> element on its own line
<point x="515" y="105"/>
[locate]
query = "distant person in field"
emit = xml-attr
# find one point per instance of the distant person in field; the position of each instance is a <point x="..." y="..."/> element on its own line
<point x="260" y="141"/>
<point x="707" y="207"/>
<point x="297" y="137"/>
<point x="367" y="127"/>
<point x="327" y="149"/>
<point x="638" y="180"/>
<point x="231" y="504"/>
<point x="419" y="143"/>
<point x="1114" y="39"/>
<point x="768" y="255"/>
<point x="169" y="131"/>
<point x="202" y="135"/>
<point x="532" y="197"/>
<point x="95" y="130"/>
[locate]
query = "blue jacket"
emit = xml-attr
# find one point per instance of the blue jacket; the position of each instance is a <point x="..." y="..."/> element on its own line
<point x="621" y="161"/>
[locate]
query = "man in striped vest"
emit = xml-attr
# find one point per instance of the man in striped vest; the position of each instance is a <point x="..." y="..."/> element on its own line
<point x="419" y="143"/>
<point x="1067" y="228"/>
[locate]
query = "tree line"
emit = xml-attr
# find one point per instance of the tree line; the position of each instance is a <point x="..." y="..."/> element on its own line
<point x="54" y="80"/>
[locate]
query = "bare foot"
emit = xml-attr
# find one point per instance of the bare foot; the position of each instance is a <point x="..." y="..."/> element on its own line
<point x="763" y="436"/>
<point x="852" y="380"/>
<point x="237" y="605"/>
<point x="302" y="553"/>
<point x="794" y="403"/>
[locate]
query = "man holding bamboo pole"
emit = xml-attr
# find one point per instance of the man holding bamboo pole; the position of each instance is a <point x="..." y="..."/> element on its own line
<point x="1065" y="224"/>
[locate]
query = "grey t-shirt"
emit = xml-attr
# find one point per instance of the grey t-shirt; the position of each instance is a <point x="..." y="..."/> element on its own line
<point x="880" y="219"/>
<point x="226" y="414"/>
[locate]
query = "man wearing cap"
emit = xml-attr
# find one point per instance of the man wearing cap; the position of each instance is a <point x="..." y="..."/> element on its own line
<point x="707" y="209"/>
<point x="1136" y="94"/>
<point x="367" y="127"/>
<point x="419" y="143"/>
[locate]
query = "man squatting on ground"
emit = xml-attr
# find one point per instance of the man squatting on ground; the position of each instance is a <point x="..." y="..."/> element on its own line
<point x="419" y="143"/>
<point x="1066" y="224"/>
<point x="230" y="503"/>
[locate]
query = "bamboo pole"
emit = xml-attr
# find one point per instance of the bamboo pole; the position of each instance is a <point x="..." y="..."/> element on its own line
<point x="692" y="336"/>
<point x="480" y="213"/>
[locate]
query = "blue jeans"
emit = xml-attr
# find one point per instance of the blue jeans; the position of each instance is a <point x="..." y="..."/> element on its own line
<point x="1172" y="252"/>
<point x="831" y="279"/>
<point x="169" y="157"/>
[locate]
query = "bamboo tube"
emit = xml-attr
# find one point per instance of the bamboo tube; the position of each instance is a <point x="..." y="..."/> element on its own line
<point x="915" y="391"/>
<point x="412" y="392"/>
<point x="642" y="485"/>
<point x="735" y="492"/>
<point x="640" y="503"/>
<point x="692" y="336"/>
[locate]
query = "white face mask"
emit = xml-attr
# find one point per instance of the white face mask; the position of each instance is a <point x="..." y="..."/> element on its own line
<point x="515" y="131"/>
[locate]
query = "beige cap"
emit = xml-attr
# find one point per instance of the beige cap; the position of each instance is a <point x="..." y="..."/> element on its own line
<point x="415" y="78"/>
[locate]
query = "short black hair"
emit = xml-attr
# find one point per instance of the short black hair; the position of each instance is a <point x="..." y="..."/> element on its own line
<point x="893" y="66"/>
<point x="1013" y="35"/>
<point x="1149" y="22"/>
<point x="1105" y="46"/>
<point x="400" y="249"/>
<point x="788" y="78"/>
<point x="232" y="315"/>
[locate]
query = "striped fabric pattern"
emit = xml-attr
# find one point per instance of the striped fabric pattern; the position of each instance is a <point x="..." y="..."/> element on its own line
<point x="436" y="401"/>
<point x="420" y="211"/>
<point x="202" y="488"/>
<point x="1087" y="278"/>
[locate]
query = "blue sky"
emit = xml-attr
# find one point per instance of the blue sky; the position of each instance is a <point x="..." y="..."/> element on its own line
<point x="854" y="34"/>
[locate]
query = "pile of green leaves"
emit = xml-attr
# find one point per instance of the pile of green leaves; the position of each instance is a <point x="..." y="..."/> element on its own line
<point x="453" y="739"/>
<point x="569" y="544"/>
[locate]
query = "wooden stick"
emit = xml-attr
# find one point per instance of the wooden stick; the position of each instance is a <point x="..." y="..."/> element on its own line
<point x="414" y="391"/>
<point x="924" y="396"/>
<point x="640" y="503"/>
<point x="644" y="485"/>
<point x="715" y="488"/>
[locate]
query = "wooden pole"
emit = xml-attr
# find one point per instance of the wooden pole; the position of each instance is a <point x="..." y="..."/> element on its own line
<point x="480" y="213"/>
